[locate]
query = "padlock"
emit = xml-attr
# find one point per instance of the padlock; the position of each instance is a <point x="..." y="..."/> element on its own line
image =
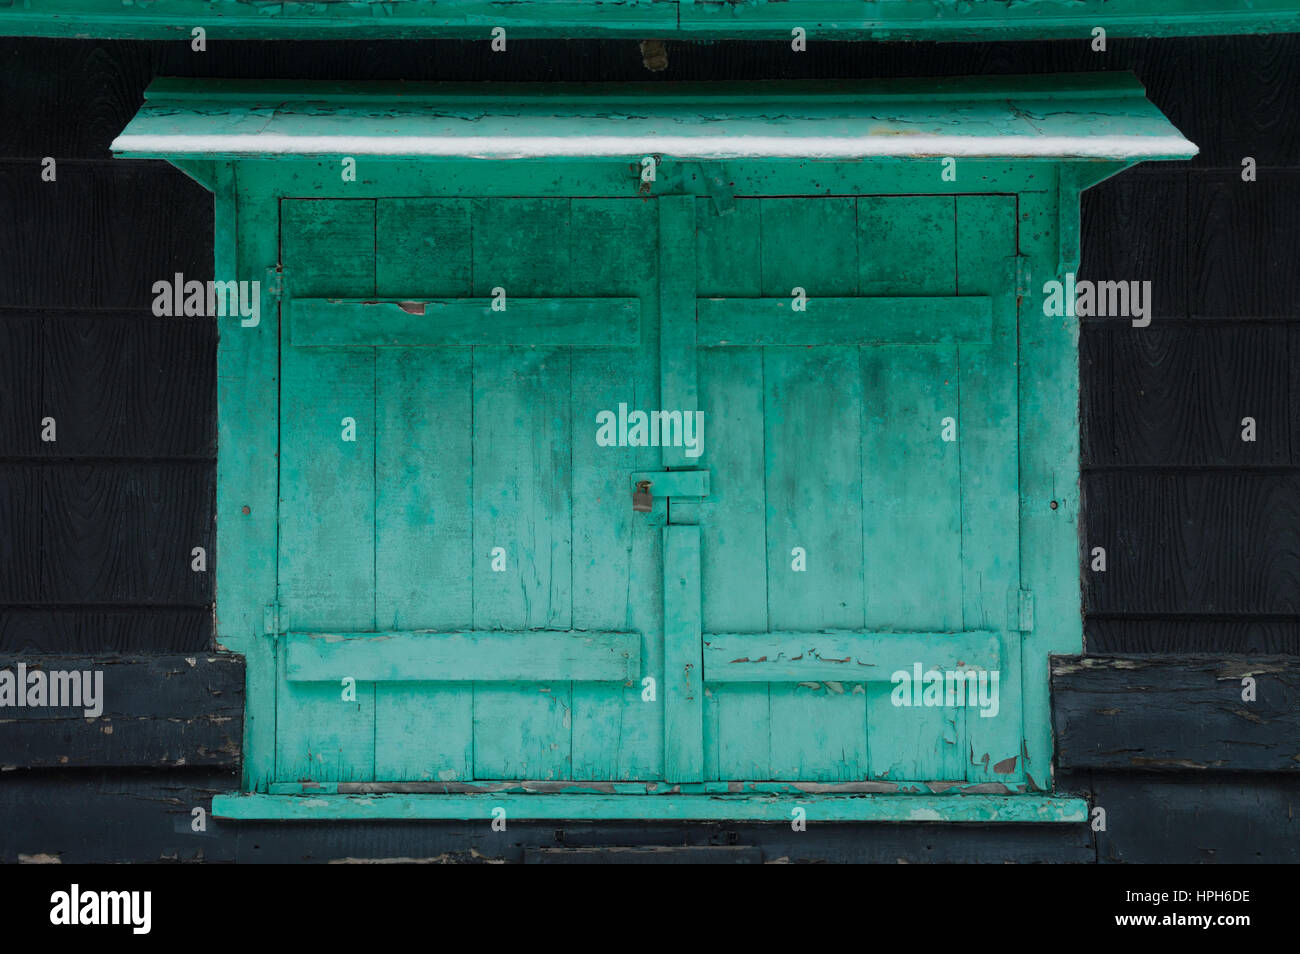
<point x="642" y="500"/>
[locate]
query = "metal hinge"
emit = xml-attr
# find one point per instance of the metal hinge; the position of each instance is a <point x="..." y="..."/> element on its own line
<point x="1020" y="611"/>
<point x="274" y="284"/>
<point x="1022" y="275"/>
<point x="271" y="619"/>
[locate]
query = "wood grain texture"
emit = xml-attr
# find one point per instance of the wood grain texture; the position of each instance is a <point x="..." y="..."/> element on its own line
<point x="1193" y="543"/>
<point x="1104" y="713"/>
<point x="124" y="532"/>
<point x="156" y="710"/>
<point x="21" y="339"/>
<point x="130" y="385"/>
<point x="107" y="231"/>
<point x="1246" y="635"/>
<point x="1176" y="394"/>
<point x="1244" y="242"/>
<point x="81" y="630"/>
<point x="1134" y="228"/>
<point x="1231" y="819"/>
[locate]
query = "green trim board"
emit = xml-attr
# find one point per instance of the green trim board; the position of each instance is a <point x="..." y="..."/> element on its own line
<point x="1082" y="115"/>
<point x="749" y="322"/>
<point x="492" y="656"/>
<point x="967" y="253"/>
<point x="945" y="20"/>
<point x="843" y="657"/>
<point x="518" y="322"/>
<point x="1009" y="809"/>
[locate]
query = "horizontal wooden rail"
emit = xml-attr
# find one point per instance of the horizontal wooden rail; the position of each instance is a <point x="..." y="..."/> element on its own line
<point x="741" y="322"/>
<point x="759" y="808"/>
<point x="843" y="656"/>
<point x="462" y="322"/>
<point x="486" y="656"/>
<point x="1177" y="713"/>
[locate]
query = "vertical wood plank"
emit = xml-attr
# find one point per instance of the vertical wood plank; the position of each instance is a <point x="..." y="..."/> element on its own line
<point x="733" y="529"/>
<point x="911" y="514"/>
<point x="812" y="413"/>
<point x="987" y="429"/>
<point x="248" y="406"/>
<point x="523" y="489"/>
<point x="327" y="493"/>
<point x="813" y="463"/>
<point x="423" y="491"/>
<point x="616" y="552"/>
<point x="1049" y="471"/>
<point x="911" y="484"/>
<point x="677" y="358"/>
<point x="683" y="689"/>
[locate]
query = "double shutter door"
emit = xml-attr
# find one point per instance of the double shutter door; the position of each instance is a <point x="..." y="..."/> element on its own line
<point x="466" y="594"/>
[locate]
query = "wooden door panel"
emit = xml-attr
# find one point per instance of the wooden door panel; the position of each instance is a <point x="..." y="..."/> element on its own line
<point x="470" y="449"/>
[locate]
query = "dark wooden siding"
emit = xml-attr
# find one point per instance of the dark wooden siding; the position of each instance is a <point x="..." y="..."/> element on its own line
<point x="1202" y="530"/>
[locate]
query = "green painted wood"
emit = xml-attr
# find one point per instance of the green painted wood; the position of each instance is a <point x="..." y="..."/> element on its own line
<point x="673" y="483"/>
<point x="741" y="322"/>
<point x="843" y="656"/>
<point x="1049" y="473"/>
<point x="466" y="180"/>
<point x="327" y="494"/>
<point x="472" y="19"/>
<point x="617" y="577"/>
<point x="248" y="401"/>
<point x="733" y="528"/>
<point x="812" y="454"/>
<point x="625" y="788"/>
<point x="907" y="245"/>
<point x="522" y="488"/>
<point x="683" y="689"/>
<point x="1084" y="115"/>
<point x="806" y="440"/>
<point x="549" y="322"/>
<point x="987" y="244"/>
<point x="492" y="656"/>
<point x="423" y="513"/>
<point x="678" y="377"/>
<point x="770" y="808"/>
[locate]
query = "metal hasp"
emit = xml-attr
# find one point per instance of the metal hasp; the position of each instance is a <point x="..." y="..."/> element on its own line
<point x="814" y="349"/>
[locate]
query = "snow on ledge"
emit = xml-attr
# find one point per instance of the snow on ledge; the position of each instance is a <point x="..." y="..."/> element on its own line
<point x="253" y="145"/>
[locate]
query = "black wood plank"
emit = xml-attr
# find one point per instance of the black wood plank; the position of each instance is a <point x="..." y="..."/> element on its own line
<point x="1257" y="82"/>
<point x="20" y="384"/>
<point x="20" y="533"/>
<point x="1178" y="392"/>
<point x="102" y="234"/>
<point x="1096" y="396"/>
<point x="123" y="385"/>
<point x="93" y="631"/>
<point x="1227" y="820"/>
<point x="156" y="710"/>
<point x="89" y="816"/>
<point x="1134" y="228"/>
<point x="1180" y="713"/>
<point x="123" y="533"/>
<point x="640" y="855"/>
<point x="1244" y="240"/>
<point x="1193" y="543"/>
<point x="1243" y="636"/>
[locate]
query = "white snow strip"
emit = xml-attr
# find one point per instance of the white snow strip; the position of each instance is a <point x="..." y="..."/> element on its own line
<point x="678" y="146"/>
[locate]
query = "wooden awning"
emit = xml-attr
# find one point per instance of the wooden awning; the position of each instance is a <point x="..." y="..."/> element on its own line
<point x="1072" y="116"/>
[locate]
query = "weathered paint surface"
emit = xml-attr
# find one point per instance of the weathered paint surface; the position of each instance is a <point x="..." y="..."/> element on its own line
<point x="859" y="493"/>
<point x="770" y="808"/>
<point x="874" y="19"/>
<point x="1082" y="115"/>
